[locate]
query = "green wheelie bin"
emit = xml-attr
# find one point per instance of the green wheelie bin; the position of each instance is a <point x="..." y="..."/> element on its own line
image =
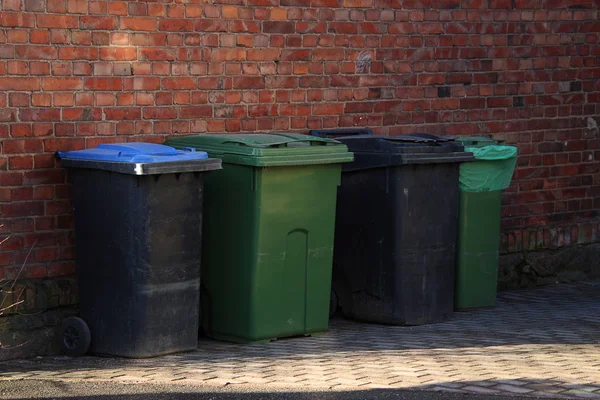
<point x="267" y="248"/>
<point x="481" y="183"/>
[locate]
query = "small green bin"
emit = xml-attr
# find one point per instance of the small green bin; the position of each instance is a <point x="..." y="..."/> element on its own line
<point x="481" y="183"/>
<point x="268" y="231"/>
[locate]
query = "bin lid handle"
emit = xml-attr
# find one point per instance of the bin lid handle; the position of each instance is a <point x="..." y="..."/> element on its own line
<point x="419" y="138"/>
<point x="311" y="140"/>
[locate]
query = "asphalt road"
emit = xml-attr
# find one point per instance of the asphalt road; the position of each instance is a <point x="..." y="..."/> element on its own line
<point x="32" y="389"/>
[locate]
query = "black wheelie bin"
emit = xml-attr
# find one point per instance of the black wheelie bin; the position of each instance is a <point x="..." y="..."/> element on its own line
<point x="138" y="227"/>
<point x="396" y="227"/>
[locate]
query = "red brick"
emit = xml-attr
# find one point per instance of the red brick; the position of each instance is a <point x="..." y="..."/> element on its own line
<point x="22" y="163"/>
<point x="103" y="83"/>
<point x="12" y="5"/>
<point x="263" y="54"/>
<point x="41" y="99"/>
<point x="57" y="21"/>
<point x="179" y="83"/>
<point x="326" y="3"/>
<point x="328" y="54"/>
<point x="176" y="25"/>
<point x="499" y="102"/>
<point x="39" y="114"/>
<point x="337" y="80"/>
<point x="328" y="109"/>
<point x="81" y="38"/>
<point x="11" y="178"/>
<point x="248" y="83"/>
<point x="42" y="129"/>
<point x="204" y="25"/>
<point x="77" y="6"/>
<point x="358" y="3"/>
<point x="18" y="68"/>
<point x="60" y="269"/>
<point x="122" y="113"/>
<point x="82" y="68"/>
<point x="18" y="99"/>
<point x="81" y="114"/>
<point x="57" y="207"/>
<point x="263" y="110"/>
<point x="20" y="130"/>
<point x="97" y="22"/>
<point x="138" y="24"/>
<point x="63" y="99"/>
<point x="278" y="27"/>
<point x="154" y="54"/>
<point x="7" y="115"/>
<point x="36" y="52"/>
<point x="118" y="54"/>
<point x="146" y="83"/>
<point x="228" y="55"/>
<point x="314" y="81"/>
<point x="61" y="68"/>
<point x="196" y="112"/>
<point x="21" y="209"/>
<point x="52" y="84"/>
<point x="346" y="28"/>
<point x="160" y="113"/>
<point x="39" y="37"/>
<point x="47" y="254"/>
<point x="357" y="107"/>
<point x="15" y="36"/>
<point x="17" y="20"/>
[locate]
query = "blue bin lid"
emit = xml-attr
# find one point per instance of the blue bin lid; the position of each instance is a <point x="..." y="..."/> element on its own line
<point x="140" y="159"/>
<point x="138" y="152"/>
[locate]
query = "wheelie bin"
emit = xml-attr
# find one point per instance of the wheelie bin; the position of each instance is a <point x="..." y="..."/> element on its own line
<point x="138" y="227"/>
<point x="268" y="242"/>
<point x="396" y="226"/>
<point x="481" y="185"/>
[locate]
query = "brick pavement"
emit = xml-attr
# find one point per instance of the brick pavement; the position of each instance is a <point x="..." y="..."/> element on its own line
<point x="541" y="342"/>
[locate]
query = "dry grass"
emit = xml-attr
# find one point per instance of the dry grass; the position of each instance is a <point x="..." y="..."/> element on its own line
<point x="8" y="294"/>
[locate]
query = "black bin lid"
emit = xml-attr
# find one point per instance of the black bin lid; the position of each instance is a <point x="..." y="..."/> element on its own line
<point x="374" y="151"/>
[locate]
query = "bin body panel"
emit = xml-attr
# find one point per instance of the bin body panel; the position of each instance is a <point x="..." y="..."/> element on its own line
<point x="478" y="249"/>
<point x="395" y="243"/>
<point x="138" y="260"/>
<point x="481" y="185"/>
<point x="268" y="251"/>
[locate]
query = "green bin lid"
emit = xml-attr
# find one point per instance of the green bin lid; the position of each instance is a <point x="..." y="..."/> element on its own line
<point x="478" y="141"/>
<point x="266" y="150"/>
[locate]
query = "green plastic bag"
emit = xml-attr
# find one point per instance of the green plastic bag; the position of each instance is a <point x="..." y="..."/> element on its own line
<point x="492" y="169"/>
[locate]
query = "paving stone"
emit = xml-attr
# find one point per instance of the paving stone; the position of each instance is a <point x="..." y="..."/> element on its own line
<point x="581" y="394"/>
<point x="540" y="343"/>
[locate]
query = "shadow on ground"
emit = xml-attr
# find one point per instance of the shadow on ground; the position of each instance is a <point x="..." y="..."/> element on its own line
<point x="23" y="390"/>
<point x="564" y="319"/>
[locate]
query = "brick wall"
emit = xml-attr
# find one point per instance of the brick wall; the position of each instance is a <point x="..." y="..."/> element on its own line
<point x="75" y="73"/>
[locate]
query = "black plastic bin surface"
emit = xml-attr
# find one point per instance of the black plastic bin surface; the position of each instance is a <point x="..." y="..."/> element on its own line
<point x="138" y="219"/>
<point x="396" y="227"/>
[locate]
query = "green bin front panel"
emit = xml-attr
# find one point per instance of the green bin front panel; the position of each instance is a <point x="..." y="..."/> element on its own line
<point x="267" y="251"/>
<point x="477" y="250"/>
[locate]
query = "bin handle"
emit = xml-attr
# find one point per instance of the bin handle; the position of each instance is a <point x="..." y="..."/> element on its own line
<point x="190" y="149"/>
<point x="285" y="143"/>
<point x="324" y="133"/>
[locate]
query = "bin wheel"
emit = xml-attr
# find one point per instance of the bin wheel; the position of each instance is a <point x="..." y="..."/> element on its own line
<point x="333" y="303"/>
<point x="76" y="337"/>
